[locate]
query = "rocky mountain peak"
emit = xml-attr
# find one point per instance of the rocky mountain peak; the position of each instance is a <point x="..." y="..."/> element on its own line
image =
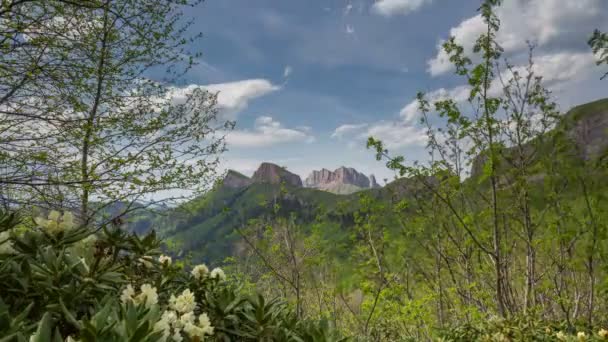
<point x="235" y="180"/>
<point x="274" y="174"/>
<point x="343" y="180"/>
<point x="372" y="182"/>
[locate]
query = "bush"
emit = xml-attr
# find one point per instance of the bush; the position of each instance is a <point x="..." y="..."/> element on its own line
<point x="523" y="328"/>
<point x="61" y="282"/>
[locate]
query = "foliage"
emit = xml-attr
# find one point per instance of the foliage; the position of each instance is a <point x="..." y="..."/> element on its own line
<point x="63" y="281"/>
<point x="86" y="121"/>
<point x="599" y="44"/>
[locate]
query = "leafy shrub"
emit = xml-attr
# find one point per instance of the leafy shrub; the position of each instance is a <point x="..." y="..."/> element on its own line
<point x="61" y="282"/>
<point x="522" y="328"/>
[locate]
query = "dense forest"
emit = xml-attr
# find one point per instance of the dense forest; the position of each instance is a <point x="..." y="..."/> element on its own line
<point x="500" y="235"/>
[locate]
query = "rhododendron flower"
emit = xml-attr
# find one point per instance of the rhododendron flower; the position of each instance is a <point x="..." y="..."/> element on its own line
<point x="127" y="294"/>
<point x="148" y="295"/>
<point x="218" y="273"/>
<point x="56" y="223"/>
<point x="165" y="260"/>
<point x="199" y="272"/>
<point x="184" y="303"/>
<point x="201" y="329"/>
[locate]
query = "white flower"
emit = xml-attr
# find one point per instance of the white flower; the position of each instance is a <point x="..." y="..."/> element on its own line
<point x="200" y="272"/>
<point x="170" y="316"/>
<point x="187" y="318"/>
<point x="581" y="336"/>
<point x="6" y="246"/>
<point x="56" y="223"/>
<point x="603" y="333"/>
<point x="201" y="329"/>
<point x="127" y="294"/>
<point x="561" y="336"/>
<point x="148" y="295"/>
<point x="165" y="260"/>
<point x="205" y="323"/>
<point x="177" y="337"/>
<point x="218" y="273"/>
<point x="184" y="303"/>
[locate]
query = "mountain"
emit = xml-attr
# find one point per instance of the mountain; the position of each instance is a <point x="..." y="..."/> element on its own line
<point x="208" y="226"/>
<point x="587" y="127"/>
<point x="344" y="180"/>
<point x="274" y="174"/>
<point x="236" y="180"/>
<point x="586" y="131"/>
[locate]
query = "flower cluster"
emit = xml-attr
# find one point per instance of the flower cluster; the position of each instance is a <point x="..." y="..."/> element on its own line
<point x="200" y="272"/>
<point x="218" y="274"/>
<point x="184" y="303"/>
<point x="56" y="223"/>
<point x="181" y="317"/>
<point x="147" y="295"/>
<point x="581" y="336"/>
<point x="165" y="260"/>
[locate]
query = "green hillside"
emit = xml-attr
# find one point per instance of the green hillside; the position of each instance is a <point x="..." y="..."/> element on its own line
<point x="207" y="226"/>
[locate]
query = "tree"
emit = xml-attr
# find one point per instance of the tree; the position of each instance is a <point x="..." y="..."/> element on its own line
<point x="114" y="130"/>
<point x="599" y="44"/>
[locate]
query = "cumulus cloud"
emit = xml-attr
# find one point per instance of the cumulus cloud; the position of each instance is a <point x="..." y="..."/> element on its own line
<point x="232" y="97"/>
<point x="547" y="23"/>
<point x="395" y="7"/>
<point x="268" y="132"/>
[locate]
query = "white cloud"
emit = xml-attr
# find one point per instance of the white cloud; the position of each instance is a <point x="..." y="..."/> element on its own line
<point x="347" y="129"/>
<point x="287" y="71"/>
<point x="233" y="97"/>
<point x="267" y="132"/>
<point x="396" y="134"/>
<point x="545" y="22"/>
<point x="410" y="112"/>
<point x="394" y="7"/>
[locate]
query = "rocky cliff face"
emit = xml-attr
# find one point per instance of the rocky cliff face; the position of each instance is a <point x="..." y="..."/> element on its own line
<point x="588" y="128"/>
<point x="343" y="180"/>
<point x="235" y="180"/>
<point x="274" y="174"/>
<point x="372" y="182"/>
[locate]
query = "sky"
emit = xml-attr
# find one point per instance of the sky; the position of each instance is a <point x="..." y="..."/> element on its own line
<point x="308" y="81"/>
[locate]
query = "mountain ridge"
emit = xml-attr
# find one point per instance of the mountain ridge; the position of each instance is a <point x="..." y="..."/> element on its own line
<point x="343" y="180"/>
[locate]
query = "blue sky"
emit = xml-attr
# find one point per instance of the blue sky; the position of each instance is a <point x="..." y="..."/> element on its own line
<point x="308" y="81"/>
